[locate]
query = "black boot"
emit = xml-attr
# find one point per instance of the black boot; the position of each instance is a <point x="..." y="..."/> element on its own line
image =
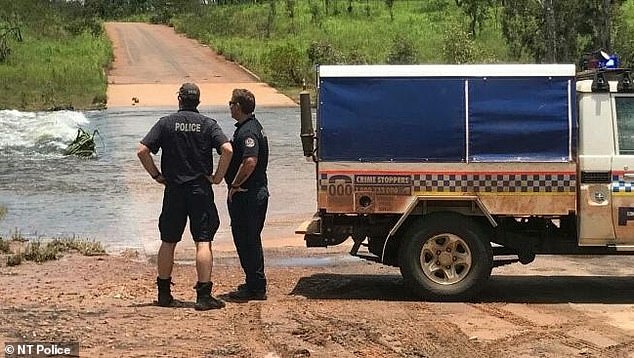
<point x="204" y="300"/>
<point x="243" y="294"/>
<point x="165" y="298"/>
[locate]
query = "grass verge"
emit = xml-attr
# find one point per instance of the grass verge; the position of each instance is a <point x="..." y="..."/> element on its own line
<point x="18" y="251"/>
<point x="56" y="73"/>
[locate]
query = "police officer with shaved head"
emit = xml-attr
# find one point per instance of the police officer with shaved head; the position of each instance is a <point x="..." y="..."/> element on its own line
<point x="248" y="195"/>
<point x="187" y="139"/>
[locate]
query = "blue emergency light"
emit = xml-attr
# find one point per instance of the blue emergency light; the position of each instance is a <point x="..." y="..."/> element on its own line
<point x="599" y="60"/>
<point x="608" y="61"/>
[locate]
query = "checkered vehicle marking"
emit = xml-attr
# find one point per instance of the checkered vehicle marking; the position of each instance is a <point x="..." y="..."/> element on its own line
<point x="323" y="182"/>
<point x="486" y="183"/>
<point x="496" y="183"/>
<point x="619" y="185"/>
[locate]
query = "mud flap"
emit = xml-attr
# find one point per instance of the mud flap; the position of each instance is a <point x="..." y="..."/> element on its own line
<point x="311" y="229"/>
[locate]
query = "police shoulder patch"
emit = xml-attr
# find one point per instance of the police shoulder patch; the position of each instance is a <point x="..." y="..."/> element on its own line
<point x="249" y="142"/>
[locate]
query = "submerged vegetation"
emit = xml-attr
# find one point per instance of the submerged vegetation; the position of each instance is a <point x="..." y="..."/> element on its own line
<point x="83" y="145"/>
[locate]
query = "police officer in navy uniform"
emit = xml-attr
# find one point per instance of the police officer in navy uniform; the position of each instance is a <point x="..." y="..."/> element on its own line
<point x="187" y="139"/>
<point x="248" y="195"/>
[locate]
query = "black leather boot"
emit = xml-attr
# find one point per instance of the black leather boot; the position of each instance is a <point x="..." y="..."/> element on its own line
<point x="165" y="298"/>
<point x="204" y="300"/>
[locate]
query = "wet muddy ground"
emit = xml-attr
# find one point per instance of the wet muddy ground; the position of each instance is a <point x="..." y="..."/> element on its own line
<point x="322" y="303"/>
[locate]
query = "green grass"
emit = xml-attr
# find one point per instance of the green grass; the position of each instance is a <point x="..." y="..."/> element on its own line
<point x="240" y="34"/>
<point x="4" y="246"/>
<point x="42" y="251"/>
<point x="45" y="73"/>
<point x="83" y="246"/>
<point x="18" y="249"/>
<point x="628" y="11"/>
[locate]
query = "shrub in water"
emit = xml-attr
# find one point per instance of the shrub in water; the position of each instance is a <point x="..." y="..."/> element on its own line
<point x="83" y="145"/>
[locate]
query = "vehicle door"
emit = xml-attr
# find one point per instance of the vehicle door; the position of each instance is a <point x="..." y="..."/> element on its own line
<point x="622" y="189"/>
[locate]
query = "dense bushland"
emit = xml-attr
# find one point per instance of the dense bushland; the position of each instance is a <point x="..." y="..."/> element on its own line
<point x="52" y="55"/>
<point x="283" y="40"/>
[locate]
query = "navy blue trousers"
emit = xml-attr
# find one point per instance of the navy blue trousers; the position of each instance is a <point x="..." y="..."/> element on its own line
<point x="248" y="212"/>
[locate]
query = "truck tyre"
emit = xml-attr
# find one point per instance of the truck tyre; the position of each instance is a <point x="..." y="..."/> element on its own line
<point x="444" y="257"/>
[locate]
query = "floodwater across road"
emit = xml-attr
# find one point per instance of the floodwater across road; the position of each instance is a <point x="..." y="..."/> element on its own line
<point x="111" y="198"/>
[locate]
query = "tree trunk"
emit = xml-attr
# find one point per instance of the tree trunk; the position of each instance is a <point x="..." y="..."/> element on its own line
<point x="551" y="33"/>
<point x="606" y="41"/>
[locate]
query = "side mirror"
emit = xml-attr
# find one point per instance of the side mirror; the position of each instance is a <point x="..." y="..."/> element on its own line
<point x="307" y="132"/>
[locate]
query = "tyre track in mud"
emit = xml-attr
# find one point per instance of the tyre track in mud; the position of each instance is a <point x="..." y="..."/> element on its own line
<point x="557" y="334"/>
<point x="350" y="335"/>
<point x="347" y="310"/>
<point x="531" y="331"/>
<point x="349" y="330"/>
<point x="250" y="332"/>
<point x="307" y="327"/>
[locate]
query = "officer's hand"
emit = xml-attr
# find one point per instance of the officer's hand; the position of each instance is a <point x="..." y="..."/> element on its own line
<point x="233" y="191"/>
<point x="216" y="179"/>
<point x="160" y="179"/>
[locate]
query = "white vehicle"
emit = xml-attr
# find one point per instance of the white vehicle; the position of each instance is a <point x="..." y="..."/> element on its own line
<point x="447" y="171"/>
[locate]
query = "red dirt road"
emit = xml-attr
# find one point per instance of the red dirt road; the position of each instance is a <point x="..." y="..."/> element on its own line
<point x="322" y="304"/>
<point x="152" y="61"/>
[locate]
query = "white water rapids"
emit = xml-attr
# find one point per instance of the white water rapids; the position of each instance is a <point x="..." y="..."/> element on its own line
<point x="110" y="197"/>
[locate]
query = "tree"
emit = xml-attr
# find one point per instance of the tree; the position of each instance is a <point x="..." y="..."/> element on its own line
<point x="290" y="8"/>
<point x="477" y="10"/>
<point x="11" y="32"/>
<point x="558" y="30"/>
<point x="270" y="19"/>
<point x="390" y="6"/>
<point x="623" y="39"/>
<point x="458" y="47"/>
<point x="551" y="33"/>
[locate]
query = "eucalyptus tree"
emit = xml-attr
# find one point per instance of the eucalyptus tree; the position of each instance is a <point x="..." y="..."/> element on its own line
<point x="557" y="30"/>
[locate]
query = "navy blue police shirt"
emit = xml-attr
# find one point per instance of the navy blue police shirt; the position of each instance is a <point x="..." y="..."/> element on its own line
<point x="249" y="140"/>
<point x="187" y="139"/>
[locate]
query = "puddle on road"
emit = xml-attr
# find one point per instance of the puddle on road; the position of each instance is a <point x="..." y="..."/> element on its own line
<point x="307" y="261"/>
<point x="312" y="261"/>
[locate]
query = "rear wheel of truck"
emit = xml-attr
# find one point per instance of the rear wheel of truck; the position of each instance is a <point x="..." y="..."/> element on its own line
<point x="445" y="257"/>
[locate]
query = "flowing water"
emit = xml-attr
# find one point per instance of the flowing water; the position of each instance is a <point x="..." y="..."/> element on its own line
<point x="111" y="198"/>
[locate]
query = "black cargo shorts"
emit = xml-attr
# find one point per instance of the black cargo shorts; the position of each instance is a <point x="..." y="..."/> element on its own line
<point x="193" y="200"/>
